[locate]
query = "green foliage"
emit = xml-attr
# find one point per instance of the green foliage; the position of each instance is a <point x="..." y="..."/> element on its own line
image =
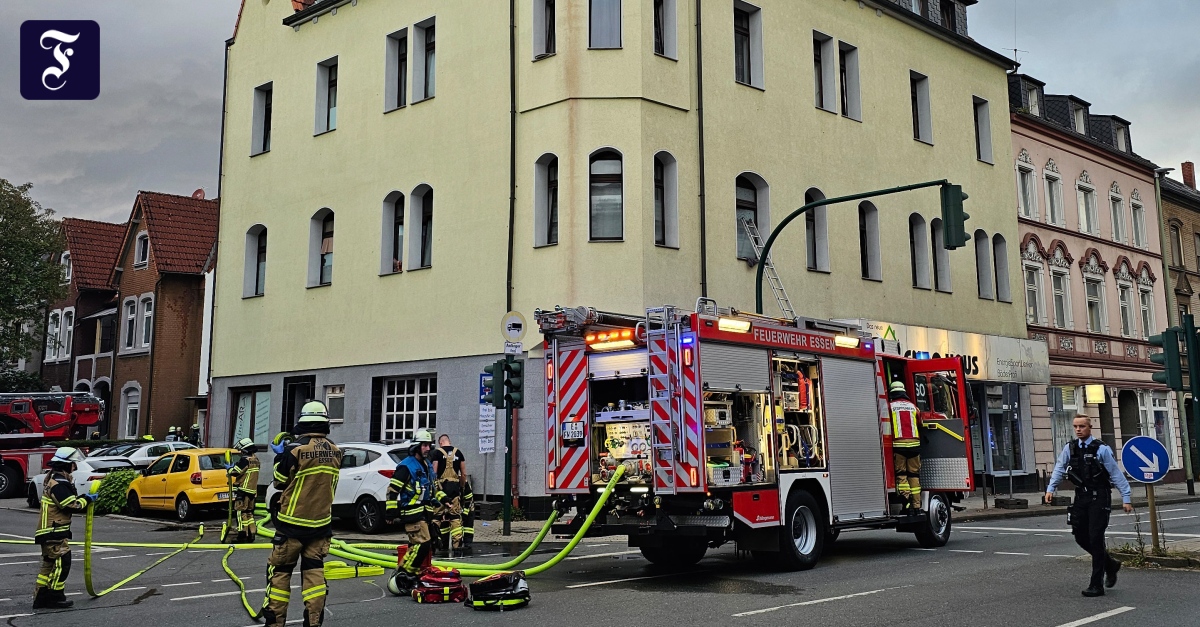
<point x="13" y="380"/>
<point x="110" y="499"/>
<point x="30" y="276"/>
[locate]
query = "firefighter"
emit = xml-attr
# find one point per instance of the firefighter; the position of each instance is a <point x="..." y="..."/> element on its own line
<point x="194" y="437"/>
<point x="468" y="517"/>
<point x="450" y="468"/>
<point x="906" y="445"/>
<point x="244" y="475"/>
<point x="413" y="497"/>
<point x="59" y="502"/>
<point x="172" y="434"/>
<point x="1093" y="469"/>
<point x="306" y="473"/>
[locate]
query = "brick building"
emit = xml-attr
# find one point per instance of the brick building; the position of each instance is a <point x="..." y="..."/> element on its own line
<point x="160" y="312"/>
<point x="80" y="328"/>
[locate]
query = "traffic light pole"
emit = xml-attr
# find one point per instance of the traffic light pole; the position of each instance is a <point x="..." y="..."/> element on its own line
<point x="766" y="251"/>
<point x="508" y="451"/>
<point x="1185" y="429"/>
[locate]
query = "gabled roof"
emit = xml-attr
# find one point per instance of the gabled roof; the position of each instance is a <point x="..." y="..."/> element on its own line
<point x="94" y="247"/>
<point x="182" y="230"/>
<point x="1172" y="187"/>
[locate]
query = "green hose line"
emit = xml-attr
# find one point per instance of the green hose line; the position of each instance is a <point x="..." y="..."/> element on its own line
<point x="254" y="615"/>
<point x="87" y="557"/>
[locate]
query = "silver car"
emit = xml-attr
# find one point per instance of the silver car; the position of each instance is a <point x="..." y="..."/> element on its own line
<point x="86" y="472"/>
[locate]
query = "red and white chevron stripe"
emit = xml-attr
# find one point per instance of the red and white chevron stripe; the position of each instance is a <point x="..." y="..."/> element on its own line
<point x="663" y="407"/>
<point x="572" y="462"/>
<point x="551" y="418"/>
<point x="692" y="428"/>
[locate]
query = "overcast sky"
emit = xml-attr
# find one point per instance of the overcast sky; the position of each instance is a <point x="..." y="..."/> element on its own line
<point x="157" y="122"/>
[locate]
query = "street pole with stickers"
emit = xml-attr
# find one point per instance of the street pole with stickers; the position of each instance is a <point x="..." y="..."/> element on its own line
<point x="503" y="387"/>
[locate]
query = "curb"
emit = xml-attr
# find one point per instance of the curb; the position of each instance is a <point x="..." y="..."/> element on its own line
<point x="1048" y="510"/>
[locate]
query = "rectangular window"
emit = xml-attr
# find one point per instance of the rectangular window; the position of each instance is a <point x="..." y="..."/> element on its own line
<point x="1088" y="221"/>
<point x="130" y="323"/>
<point x="335" y="402"/>
<point x="1033" y="295"/>
<point x="395" y="88"/>
<point x="409" y="404"/>
<point x="1139" y="226"/>
<point x="1034" y="105"/>
<point x="919" y="95"/>
<point x="132" y="403"/>
<point x="604" y="24"/>
<point x="1095" y="305"/>
<point x="331" y="101"/>
<point x="1160" y="427"/>
<point x="1079" y="119"/>
<point x="424" y="64"/>
<point x="949" y="18"/>
<point x="1121" y="139"/>
<point x="252" y="416"/>
<point x="147" y="321"/>
<point x="983" y="131"/>
<point x="1061" y="284"/>
<point x="1065" y="404"/>
<point x="1054" y="200"/>
<point x="52" y="329"/>
<point x="108" y="333"/>
<point x="430" y="61"/>
<point x="748" y="45"/>
<point x="326" y="113"/>
<point x="1146" y="298"/>
<point x="660" y="199"/>
<point x="544" y="37"/>
<point x="741" y="46"/>
<point x="1026" y="194"/>
<point x="1125" y="296"/>
<point x="825" y="88"/>
<point x="848" y="73"/>
<point x="660" y="44"/>
<point x="261" y="132"/>
<point x="141" y="253"/>
<point x="1118" y="218"/>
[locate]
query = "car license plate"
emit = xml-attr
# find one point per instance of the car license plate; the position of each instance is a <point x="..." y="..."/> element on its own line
<point x="222" y="496"/>
<point x="572" y="431"/>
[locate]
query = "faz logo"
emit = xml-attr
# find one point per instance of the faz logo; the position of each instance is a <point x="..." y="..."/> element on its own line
<point x="60" y="60"/>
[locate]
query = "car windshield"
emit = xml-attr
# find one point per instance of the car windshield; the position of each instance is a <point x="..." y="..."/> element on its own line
<point x="398" y="454"/>
<point x="216" y="461"/>
<point x="118" y="449"/>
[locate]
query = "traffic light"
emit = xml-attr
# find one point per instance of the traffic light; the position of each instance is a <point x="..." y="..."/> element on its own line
<point x="954" y="219"/>
<point x="1168" y="358"/>
<point x="492" y="384"/>
<point x="514" y="382"/>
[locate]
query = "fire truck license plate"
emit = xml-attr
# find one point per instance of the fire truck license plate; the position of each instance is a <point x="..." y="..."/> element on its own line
<point x="572" y="431"/>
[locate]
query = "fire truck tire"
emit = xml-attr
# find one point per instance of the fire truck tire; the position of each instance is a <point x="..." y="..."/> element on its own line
<point x="676" y="552"/>
<point x="803" y="535"/>
<point x="10" y="481"/>
<point x="935" y="530"/>
<point x="831" y="535"/>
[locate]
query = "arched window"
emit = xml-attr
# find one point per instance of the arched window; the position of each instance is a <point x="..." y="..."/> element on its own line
<point x="941" y="259"/>
<point x="422" y="235"/>
<point x="816" y="233"/>
<point x="746" y="212"/>
<point x="868" y="242"/>
<point x="1000" y="256"/>
<point x="131" y="399"/>
<point x="606" y="205"/>
<point x="1176" y="247"/>
<point x="666" y="200"/>
<point x="391" y="247"/>
<point x="918" y="244"/>
<point x="983" y="265"/>
<point x="545" y="201"/>
<point x="255" y="274"/>
<point x="320" y="248"/>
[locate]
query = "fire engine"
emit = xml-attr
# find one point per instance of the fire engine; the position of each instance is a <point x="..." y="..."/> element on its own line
<point x="771" y="433"/>
<point x="29" y="419"/>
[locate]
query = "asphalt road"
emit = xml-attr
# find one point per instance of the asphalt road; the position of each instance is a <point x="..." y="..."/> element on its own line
<point x="1011" y="572"/>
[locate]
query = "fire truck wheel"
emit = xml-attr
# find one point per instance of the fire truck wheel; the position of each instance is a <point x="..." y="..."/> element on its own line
<point x="934" y="531"/>
<point x="676" y="552"/>
<point x="803" y="535"/>
<point x="10" y="481"/>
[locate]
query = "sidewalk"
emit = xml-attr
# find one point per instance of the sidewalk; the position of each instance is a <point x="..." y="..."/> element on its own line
<point x="1164" y="494"/>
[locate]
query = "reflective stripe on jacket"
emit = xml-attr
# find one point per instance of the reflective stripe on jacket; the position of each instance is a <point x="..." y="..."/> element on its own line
<point x="411" y="490"/>
<point x="245" y="474"/>
<point x="307" y="476"/>
<point x="904" y="424"/>
<point x="59" y="502"/>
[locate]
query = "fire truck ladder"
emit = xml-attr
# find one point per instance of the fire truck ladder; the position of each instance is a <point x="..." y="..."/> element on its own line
<point x="785" y="303"/>
<point x="661" y="337"/>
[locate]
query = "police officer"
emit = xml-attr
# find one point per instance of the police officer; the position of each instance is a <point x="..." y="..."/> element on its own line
<point x="1093" y="469"/>
<point x="413" y="497"/>
<point x="59" y="502"/>
<point x="906" y="445"/>
<point x="244" y="475"/>
<point x="306" y="473"/>
<point x="450" y="467"/>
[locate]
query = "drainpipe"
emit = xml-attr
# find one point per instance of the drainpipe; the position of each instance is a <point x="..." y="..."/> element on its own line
<point x="512" y="146"/>
<point x="1173" y="314"/>
<point x="212" y="314"/>
<point x="148" y="393"/>
<point x="700" y="125"/>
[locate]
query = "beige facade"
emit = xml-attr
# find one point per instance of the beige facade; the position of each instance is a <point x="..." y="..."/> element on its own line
<point x="572" y="105"/>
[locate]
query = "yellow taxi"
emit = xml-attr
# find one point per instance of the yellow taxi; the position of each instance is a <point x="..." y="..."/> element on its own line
<point x="183" y="481"/>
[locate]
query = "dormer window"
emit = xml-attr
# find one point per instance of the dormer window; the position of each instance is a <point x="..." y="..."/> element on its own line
<point x="1032" y="93"/>
<point x="1122" y="139"/>
<point x="141" y="250"/>
<point x="1078" y="118"/>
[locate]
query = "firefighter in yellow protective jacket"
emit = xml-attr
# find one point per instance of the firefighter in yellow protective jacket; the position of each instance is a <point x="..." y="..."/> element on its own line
<point x="245" y="490"/>
<point x="906" y="445"/>
<point x="449" y="467"/>
<point x="59" y="503"/>
<point x="306" y="473"/>
<point x="413" y="498"/>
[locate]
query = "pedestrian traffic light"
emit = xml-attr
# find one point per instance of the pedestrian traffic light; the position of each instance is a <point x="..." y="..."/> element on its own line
<point x="954" y="219"/>
<point x="1171" y="375"/>
<point x="514" y="382"/>
<point x="492" y="384"/>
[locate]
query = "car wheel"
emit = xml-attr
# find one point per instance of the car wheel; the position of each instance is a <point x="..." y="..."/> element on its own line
<point x="133" y="506"/>
<point x="368" y="515"/>
<point x="183" y="508"/>
<point x="31" y="496"/>
<point x="803" y="534"/>
<point x="934" y="531"/>
<point x="10" y="481"/>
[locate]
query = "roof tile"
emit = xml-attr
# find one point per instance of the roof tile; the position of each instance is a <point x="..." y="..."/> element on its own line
<point x="94" y="248"/>
<point x="182" y="230"/>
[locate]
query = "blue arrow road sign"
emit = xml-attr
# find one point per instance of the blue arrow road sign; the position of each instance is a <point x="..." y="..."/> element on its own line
<point x="1145" y="459"/>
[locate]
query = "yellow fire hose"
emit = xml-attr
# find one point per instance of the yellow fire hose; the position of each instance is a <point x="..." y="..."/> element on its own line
<point x="87" y="557"/>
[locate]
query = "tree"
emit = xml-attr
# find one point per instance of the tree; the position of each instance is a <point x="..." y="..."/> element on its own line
<point x="30" y="277"/>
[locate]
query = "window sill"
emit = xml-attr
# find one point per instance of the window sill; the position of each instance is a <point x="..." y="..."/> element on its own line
<point x="872" y="279"/>
<point x="750" y="85"/>
<point x="261" y="152"/>
<point x="663" y="56"/>
<point x="984" y="161"/>
<point x="941" y="291"/>
<point x="852" y="118"/>
<point x="392" y="273"/>
<point x="319" y="285"/>
<point x="324" y="132"/>
<point x="141" y="265"/>
<point x="543" y="56"/>
<point x="833" y="111"/>
<point x="387" y="111"/>
<point x="923" y="141"/>
<point x="250" y="296"/>
<point x="819" y="271"/>
<point x="606" y="241"/>
<point x="429" y="267"/>
<point x="666" y="246"/>
<point x="134" y="352"/>
<point x="923" y="289"/>
<point x="605" y="48"/>
<point x="424" y="99"/>
<point x="550" y="245"/>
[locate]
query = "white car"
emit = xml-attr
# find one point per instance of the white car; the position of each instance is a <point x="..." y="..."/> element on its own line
<point x="141" y="455"/>
<point x="366" y="471"/>
<point x="86" y="472"/>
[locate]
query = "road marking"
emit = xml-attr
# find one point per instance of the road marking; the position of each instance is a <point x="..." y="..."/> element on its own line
<point x="605" y="583"/>
<point x="1161" y="511"/>
<point x="982" y="533"/>
<point x="162" y="553"/>
<point x="816" y="601"/>
<point x="1160" y="520"/>
<point x="13" y="535"/>
<point x="1092" y="619"/>
<point x="16" y="563"/>
<point x="1053" y="555"/>
<point x="920" y="549"/>
<point x="1012" y="534"/>
<point x="5" y="599"/>
<point x="287" y="623"/>
<point x="74" y="594"/>
<point x="1003" y="553"/>
<point x="186" y="583"/>
<point x="129" y="589"/>
<point x="1048" y="535"/>
<point x="1111" y="533"/>
<point x="963" y="551"/>
<point x="613" y="554"/>
<point x="116" y="557"/>
<point x="14" y="616"/>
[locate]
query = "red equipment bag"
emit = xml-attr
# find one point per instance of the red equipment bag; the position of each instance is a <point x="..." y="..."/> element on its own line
<point x="439" y="586"/>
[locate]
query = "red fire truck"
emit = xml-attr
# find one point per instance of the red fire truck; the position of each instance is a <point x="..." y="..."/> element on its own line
<point x="774" y="434"/>
<point x="29" y="419"/>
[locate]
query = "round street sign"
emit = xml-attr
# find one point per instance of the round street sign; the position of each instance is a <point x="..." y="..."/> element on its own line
<point x="512" y="326"/>
<point x="1145" y="459"/>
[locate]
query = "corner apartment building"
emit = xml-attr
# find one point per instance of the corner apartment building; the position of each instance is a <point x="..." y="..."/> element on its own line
<point x="1091" y="262"/>
<point x="1181" y="214"/>
<point x="608" y="165"/>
